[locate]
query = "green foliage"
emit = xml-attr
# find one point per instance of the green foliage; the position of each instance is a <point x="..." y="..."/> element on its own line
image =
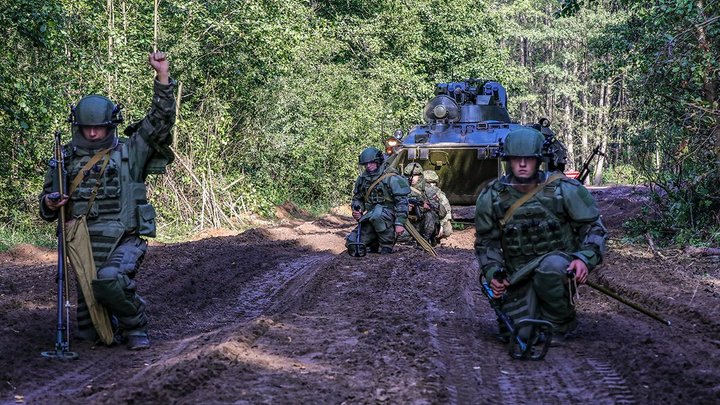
<point x="26" y="229"/>
<point x="278" y="97"/>
<point x="622" y="174"/>
<point x="662" y="53"/>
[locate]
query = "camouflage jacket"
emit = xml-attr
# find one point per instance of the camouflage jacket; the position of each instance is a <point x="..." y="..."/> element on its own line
<point x="561" y="217"/>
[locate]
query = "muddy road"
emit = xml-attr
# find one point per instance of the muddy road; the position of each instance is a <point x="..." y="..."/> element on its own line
<point x="282" y="315"/>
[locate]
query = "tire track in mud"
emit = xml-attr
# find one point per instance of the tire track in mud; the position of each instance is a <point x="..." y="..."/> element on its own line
<point x="261" y="293"/>
<point x="253" y="301"/>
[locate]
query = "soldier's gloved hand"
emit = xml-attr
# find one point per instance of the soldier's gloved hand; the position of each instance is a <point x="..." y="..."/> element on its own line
<point x="54" y="201"/>
<point x="580" y="270"/>
<point x="356" y="215"/>
<point x="399" y="229"/>
<point x="499" y="286"/>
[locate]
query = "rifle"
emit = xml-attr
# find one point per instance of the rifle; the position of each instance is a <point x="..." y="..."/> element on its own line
<point x="585" y="169"/>
<point x="540" y="333"/>
<point x="417" y="204"/>
<point x="62" y="338"/>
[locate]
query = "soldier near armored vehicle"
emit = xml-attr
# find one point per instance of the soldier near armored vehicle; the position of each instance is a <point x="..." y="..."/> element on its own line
<point x="444" y="210"/>
<point x="423" y="211"/>
<point x="107" y="175"/>
<point x="379" y="204"/>
<point x="536" y="229"/>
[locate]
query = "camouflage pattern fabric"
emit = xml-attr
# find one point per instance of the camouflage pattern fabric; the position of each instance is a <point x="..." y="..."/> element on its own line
<point x="120" y="213"/>
<point x="557" y="225"/>
<point x="391" y="195"/>
<point x="434" y="192"/>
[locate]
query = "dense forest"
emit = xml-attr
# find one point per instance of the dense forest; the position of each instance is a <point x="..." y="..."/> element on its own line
<point x="277" y="98"/>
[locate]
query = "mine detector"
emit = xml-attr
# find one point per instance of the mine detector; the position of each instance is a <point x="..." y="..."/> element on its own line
<point x="465" y="123"/>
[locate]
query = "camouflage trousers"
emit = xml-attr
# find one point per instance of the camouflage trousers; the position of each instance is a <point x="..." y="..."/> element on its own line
<point x="544" y="295"/>
<point x="115" y="288"/>
<point x="371" y="237"/>
<point x="428" y="225"/>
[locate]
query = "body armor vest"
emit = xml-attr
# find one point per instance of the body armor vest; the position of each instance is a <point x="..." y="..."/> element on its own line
<point x="119" y="199"/>
<point x="536" y="228"/>
<point x="380" y="194"/>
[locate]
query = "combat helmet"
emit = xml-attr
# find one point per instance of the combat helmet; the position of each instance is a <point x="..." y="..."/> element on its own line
<point x="370" y="155"/>
<point x="525" y="142"/>
<point x="413" y="169"/>
<point x="95" y="110"/>
<point x="431" y="176"/>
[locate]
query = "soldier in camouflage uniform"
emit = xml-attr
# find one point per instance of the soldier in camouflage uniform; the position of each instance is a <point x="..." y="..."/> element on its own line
<point x="444" y="210"/>
<point x="111" y="193"/>
<point x="379" y="204"/>
<point x="424" y="212"/>
<point x="557" y="229"/>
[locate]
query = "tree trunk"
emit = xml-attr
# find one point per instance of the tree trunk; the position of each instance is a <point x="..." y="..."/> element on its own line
<point x="711" y="82"/>
<point x="602" y="129"/>
<point x="111" y="30"/>
<point x="584" y="151"/>
<point x="568" y="134"/>
<point x="523" y="63"/>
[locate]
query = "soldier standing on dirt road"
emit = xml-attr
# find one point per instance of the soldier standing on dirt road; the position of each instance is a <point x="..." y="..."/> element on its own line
<point x="379" y="204"/>
<point x="107" y="175"/>
<point x="444" y="209"/>
<point x="556" y="229"/>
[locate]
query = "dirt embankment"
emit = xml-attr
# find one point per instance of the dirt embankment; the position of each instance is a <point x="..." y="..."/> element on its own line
<point x="281" y="315"/>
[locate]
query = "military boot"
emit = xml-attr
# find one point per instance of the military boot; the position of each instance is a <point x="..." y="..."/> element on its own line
<point x="386" y="250"/>
<point x="138" y="342"/>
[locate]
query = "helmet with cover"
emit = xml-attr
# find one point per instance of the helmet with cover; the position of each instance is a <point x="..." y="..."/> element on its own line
<point x="413" y="169"/>
<point x="431" y="176"/>
<point x="369" y="155"/>
<point x="95" y="111"/>
<point x="526" y="142"/>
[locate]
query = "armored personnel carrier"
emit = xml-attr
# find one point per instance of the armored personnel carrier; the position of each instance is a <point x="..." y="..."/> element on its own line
<point x="465" y="123"/>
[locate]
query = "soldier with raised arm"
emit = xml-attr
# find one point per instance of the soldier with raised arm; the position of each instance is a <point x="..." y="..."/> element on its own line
<point x="106" y="177"/>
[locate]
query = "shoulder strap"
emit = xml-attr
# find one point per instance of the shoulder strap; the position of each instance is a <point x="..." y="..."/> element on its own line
<point x="97" y="183"/>
<point x="79" y="177"/>
<point x="522" y="200"/>
<point x="375" y="183"/>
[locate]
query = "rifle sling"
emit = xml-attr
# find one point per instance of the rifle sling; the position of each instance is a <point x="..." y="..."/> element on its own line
<point x="522" y="200"/>
<point x="79" y="177"/>
<point x="375" y="183"/>
<point x="97" y="183"/>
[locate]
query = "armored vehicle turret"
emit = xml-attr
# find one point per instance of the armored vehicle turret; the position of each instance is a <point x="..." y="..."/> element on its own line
<point x="465" y="123"/>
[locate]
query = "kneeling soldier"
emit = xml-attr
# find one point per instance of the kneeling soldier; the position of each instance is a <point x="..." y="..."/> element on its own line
<point x="379" y="204"/>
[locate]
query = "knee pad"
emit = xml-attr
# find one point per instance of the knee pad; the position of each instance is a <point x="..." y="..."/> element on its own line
<point x="118" y="295"/>
<point x="554" y="264"/>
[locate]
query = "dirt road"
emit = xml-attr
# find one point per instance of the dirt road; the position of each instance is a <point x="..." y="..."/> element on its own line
<point x="282" y="315"/>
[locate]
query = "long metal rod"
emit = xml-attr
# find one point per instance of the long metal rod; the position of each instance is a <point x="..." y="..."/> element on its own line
<point x="631" y="304"/>
<point x="420" y="240"/>
<point x="62" y="338"/>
